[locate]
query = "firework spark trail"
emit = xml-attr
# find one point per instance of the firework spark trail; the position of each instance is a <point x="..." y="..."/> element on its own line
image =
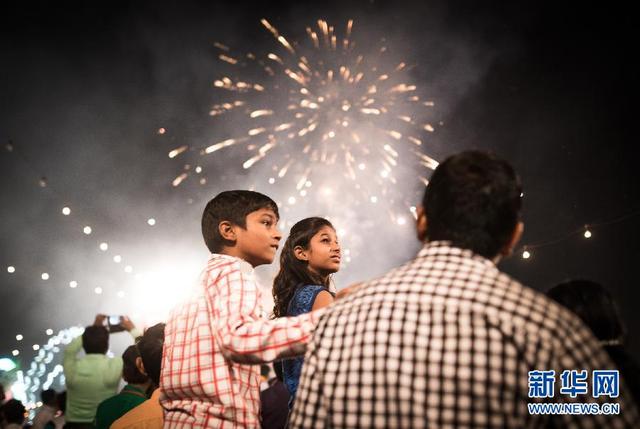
<point x="343" y="110"/>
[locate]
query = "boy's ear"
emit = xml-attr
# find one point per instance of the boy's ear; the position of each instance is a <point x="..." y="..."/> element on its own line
<point x="140" y="365"/>
<point x="300" y="253"/>
<point x="227" y="230"/>
<point x="421" y="223"/>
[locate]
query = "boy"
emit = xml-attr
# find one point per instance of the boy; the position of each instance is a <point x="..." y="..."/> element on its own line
<point x="209" y="340"/>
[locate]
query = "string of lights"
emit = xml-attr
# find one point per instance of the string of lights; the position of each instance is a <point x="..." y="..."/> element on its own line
<point x="102" y="247"/>
<point x="526" y="251"/>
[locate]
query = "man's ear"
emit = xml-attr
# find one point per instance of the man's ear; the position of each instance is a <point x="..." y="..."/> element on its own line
<point x="140" y="365"/>
<point x="300" y="253"/>
<point x="516" y="235"/>
<point x="227" y="230"/>
<point x="421" y="223"/>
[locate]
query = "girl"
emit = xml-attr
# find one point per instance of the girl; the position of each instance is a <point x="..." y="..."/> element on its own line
<point x="309" y="257"/>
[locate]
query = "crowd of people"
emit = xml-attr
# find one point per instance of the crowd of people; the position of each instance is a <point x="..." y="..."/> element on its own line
<point x="445" y="340"/>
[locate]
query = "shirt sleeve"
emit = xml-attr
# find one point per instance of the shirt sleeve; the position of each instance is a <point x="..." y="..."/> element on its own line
<point x="309" y="410"/>
<point x="243" y="334"/>
<point x="70" y="359"/>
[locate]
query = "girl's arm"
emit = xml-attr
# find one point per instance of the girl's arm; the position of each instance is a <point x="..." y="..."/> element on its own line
<point x="323" y="299"/>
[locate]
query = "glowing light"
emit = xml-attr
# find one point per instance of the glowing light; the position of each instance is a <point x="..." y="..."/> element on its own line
<point x="333" y="91"/>
<point x="128" y="269"/>
<point x="401" y="221"/>
<point x="49" y="331"/>
<point x="15" y="352"/>
<point x="120" y="294"/>
<point x="526" y="254"/>
<point x="291" y="200"/>
<point x="374" y="199"/>
<point x="11" y="269"/>
<point x="98" y="290"/>
<point x="198" y="169"/>
<point x="104" y="247"/>
<point x="66" y="211"/>
<point x="7" y="364"/>
<point x="36" y="347"/>
<point x="117" y="259"/>
<point x="151" y="221"/>
<point x="45" y="276"/>
<point x="19" y="337"/>
<point x="161" y="131"/>
<point x="73" y="284"/>
<point x="87" y="230"/>
<point x="587" y="233"/>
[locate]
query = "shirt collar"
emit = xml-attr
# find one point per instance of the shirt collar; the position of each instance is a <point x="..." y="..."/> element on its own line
<point x="434" y="249"/>
<point x="245" y="267"/>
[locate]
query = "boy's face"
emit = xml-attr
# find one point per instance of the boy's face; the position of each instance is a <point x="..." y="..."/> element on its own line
<point x="258" y="243"/>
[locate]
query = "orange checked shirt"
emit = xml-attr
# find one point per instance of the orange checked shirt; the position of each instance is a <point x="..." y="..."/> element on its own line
<point x="211" y="340"/>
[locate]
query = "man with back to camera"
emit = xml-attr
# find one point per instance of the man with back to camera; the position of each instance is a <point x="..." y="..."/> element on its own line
<point x="447" y="340"/>
<point x="94" y="377"/>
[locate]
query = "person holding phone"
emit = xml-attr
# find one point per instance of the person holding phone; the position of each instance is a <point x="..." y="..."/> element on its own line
<point x="94" y="377"/>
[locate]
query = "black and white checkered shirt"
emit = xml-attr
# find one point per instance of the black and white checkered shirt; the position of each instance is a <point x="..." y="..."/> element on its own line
<point x="445" y="341"/>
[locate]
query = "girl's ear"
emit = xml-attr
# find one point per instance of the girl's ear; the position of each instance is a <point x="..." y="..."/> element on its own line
<point x="300" y="253"/>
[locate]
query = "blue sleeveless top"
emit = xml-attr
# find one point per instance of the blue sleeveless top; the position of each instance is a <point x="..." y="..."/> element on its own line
<point x="301" y="302"/>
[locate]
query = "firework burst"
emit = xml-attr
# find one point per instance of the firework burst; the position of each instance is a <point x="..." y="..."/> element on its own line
<point x="321" y="113"/>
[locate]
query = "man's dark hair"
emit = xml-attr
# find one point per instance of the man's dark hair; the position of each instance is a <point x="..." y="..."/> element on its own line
<point x="473" y="200"/>
<point x="49" y="397"/>
<point x="231" y="206"/>
<point x="13" y="411"/>
<point x="150" y="348"/>
<point x="130" y="371"/>
<point x="95" y="339"/>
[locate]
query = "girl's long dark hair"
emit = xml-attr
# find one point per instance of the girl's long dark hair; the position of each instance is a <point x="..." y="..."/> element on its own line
<point x="293" y="271"/>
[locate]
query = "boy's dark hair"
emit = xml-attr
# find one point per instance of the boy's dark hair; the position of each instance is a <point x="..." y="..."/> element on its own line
<point x="232" y="206"/>
<point x="293" y="271"/>
<point x="591" y="302"/>
<point x="473" y="200"/>
<point x="49" y="397"/>
<point x="95" y="339"/>
<point x="130" y="371"/>
<point x="150" y="348"/>
<point x="13" y="411"/>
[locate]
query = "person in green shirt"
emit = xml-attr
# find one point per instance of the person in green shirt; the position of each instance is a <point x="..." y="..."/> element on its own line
<point x="132" y="395"/>
<point x="94" y="377"/>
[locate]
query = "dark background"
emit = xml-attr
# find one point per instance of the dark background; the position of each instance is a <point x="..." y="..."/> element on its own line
<point x="85" y="86"/>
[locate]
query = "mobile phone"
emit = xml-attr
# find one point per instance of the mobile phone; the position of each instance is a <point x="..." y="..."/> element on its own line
<point x="114" y="323"/>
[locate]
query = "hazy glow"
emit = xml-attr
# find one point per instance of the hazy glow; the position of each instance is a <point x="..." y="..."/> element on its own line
<point x="117" y="259"/>
<point x="98" y="290"/>
<point x="73" y="284"/>
<point x="49" y="331"/>
<point x="151" y="221"/>
<point x="66" y="211"/>
<point x="87" y="230"/>
<point x="45" y="276"/>
<point x="526" y="254"/>
<point x="104" y="247"/>
<point x="19" y="337"/>
<point x="587" y="234"/>
<point x="11" y="269"/>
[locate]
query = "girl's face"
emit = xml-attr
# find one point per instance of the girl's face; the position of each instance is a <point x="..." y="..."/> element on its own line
<point x="323" y="254"/>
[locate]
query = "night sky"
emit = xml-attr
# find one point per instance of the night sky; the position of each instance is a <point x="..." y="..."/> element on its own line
<point x="85" y="88"/>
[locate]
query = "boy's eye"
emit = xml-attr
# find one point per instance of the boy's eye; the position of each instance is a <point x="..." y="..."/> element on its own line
<point x="266" y="222"/>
